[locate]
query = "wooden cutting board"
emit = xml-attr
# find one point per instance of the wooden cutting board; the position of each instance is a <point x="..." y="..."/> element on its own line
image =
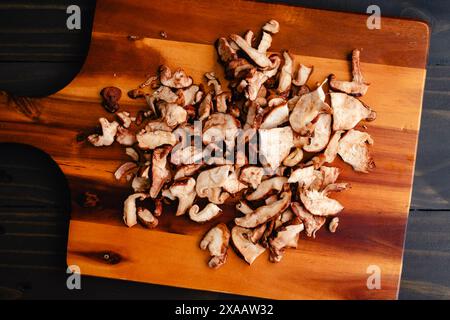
<point x="333" y="266"/>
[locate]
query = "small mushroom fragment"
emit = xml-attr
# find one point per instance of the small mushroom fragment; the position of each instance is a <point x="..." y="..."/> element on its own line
<point x="146" y="218"/>
<point x="284" y="84"/>
<point x="132" y="153"/>
<point x="233" y="185"/>
<point x="220" y="127"/>
<point x="266" y="187"/>
<point x="210" y="182"/>
<point x="286" y="237"/>
<point x="333" y="224"/>
<point x="177" y="80"/>
<point x="184" y="190"/>
<point x="125" y="118"/>
<point x="276" y="114"/>
<point x="129" y="208"/>
<point x="149" y="140"/>
<point x="252" y="175"/>
<point x="272" y="26"/>
<point x="225" y="51"/>
<point x="222" y="100"/>
<point x="244" y="208"/>
<point x="303" y="75"/>
<point x="109" y="131"/>
<point x="265" y="43"/>
<point x="349" y="111"/>
<point x="205" y="107"/>
<point x="216" y="241"/>
<point x="206" y="214"/>
<point x="275" y="145"/>
<point x="312" y="223"/>
<point x="140" y="184"/>
<point x="166" y="94"/>
<point x="258" y="58"/>
<point x="305" y="177"/>
<point x="187" y="170"/>
<point x="293" y="158"/>
<point x="322" y="132"/>
<point x="319" y="204"/>
<point x="125" y="169"/>
<point x="111" y="97"/>
<point x="258" y="233"/>
<point x="330" y="152"/>
<point x="283" y="218"/>
<point x="265" y="213"/>
<point x="254" y="81"/>
<point x="241" y="238"/>
<point x="160" y="169"/>
<point x="125" y="137"/>
<point x="353" y="149"/>
<point x="173" y="114"/>
<point x="357" y="87"/>
<point x="307" y="109"/>
<point x="189" y="95"/>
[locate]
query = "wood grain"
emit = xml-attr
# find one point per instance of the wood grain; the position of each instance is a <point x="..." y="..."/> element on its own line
<point x="373" y="224"/>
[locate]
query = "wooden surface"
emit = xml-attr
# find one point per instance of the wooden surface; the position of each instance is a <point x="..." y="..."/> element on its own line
<point x="370" y="233"/>
<point x="36" y="272"/>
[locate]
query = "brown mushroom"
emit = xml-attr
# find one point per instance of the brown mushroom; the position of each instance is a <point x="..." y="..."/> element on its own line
<point x="321" y="135"/>
<point x="129" y="208"/>
<point x="303" y="75"/>
<point x="109" y="131"/>
<point x="284" y="83"/>
<point x="125" y="137"/>
<point x="286" y="237"/>
<point x="275" y="145"/>
<point x="146" y="218"/>
<point x="209" y="212"/>
<point x="272" y="26"/>
<point x="149" y="140"/>
<point x="184" y="191"/>
<point x="216" y="241"/>
<point x="176" y="80"/>
<point x="330" y="152"/>
<point x="241" y="238"/>
<point x="258" y="58"/>
<point x="252" y="175"/>
<point x="266" y="187"/>
<point x="353" y="149"/>
<point x="349" y="111"/>
<point x="160" y="169"/>
<point x="312" y="223"/>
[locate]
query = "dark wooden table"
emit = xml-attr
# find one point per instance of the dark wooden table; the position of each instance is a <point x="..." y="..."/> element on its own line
<point x="39" y="56"/>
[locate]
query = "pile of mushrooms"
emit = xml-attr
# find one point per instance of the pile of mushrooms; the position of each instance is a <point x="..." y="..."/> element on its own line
<point x="299" y="128"/>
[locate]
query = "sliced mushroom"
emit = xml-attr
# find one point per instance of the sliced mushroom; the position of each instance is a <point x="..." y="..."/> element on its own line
<point x="252" y="175"/>
<point x="275" y="115"/>
<point x="272" y="26"/>
<point x="125" y="137"/>
<point x="176" y="80"/>
<point x="225" y="51"/>
<point x="284" y="84"/>
<point x="286" y="237"/>
<point x="109" y="131"/>
<point x="349" y="111"/>
<point x="275" y="145"/>
<point x="220" y="127"/>
<point x="333" y="224"/>
<point x="284" y="218"/>
<point x="266" y="187"/>
<point x="146" y="218"/>
<point x="205" y="107"/>
<point x="187" y="170"/>
<point x="166" y="94"/>
<point x="129" y="208"/>
<point x="212" y="80"/>
<point x="243" y="207"/>
<point x="357" y="87"/>
<point x="330" y="152"/>
<point x="319" y="204"/>
<point x="189" y="95"/>
<point x="173" y="114"/>
<point x="305" y="177"/>
<point x="222" y="100"/>
<point x="157" y="125"/>
<point x="210" y="182"/>
<point x="140" y="184"/>
<point x="254" y="81"/>
<point x="258" y="233"/>
<point x="307" y="109"/>
<point x="312" y="223"/>
<point x="209" y="212"/>
<point x="265" y="43"/>
<point x="258" y="58"/>
<point x="303" y="74"/>
<point x="216" y="241"/>
<point x="233" y="185"/>
<point x="294" y="158"/>
<point x="353" y="149"/>
<point x="149" y="140"/>
<point x="124" y="118"/>
<point x="160" y="169"/>
<point x="186" y="156"/>
<point x="125" y="169"/>
<point x="241" y="238"/>
<point x="265" y="213"/>
<point x="322" y="132"/>
<point x="184" y="191"/>
<point x="132" y="153"/>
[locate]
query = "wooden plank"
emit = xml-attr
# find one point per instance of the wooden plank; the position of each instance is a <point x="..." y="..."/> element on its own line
<point x="370" y="233"/>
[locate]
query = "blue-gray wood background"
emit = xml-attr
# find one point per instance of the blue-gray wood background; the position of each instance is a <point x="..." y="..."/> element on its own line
<point x="39" y="56"/>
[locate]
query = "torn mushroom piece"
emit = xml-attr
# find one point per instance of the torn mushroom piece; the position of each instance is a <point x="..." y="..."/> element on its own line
<point x="205" y="107"/>
<point x="330" y="152"/>
<point x="109" y="131"/>
<point x="149" y="140"/>
<point x="333" y="224"/>
<point x="225" y="51"/>
<point x="209" y="212"/>
<point x="353" y="149"/>
<point x="311" y="222"/>
<point x="265" y="213"/>
<point x="189" y="95"/>
<point x="293" y="158"/>
<point x="243" y="207"/>
<point x="125" y="137"/>
<point x="222" y="101"/>
<point x="276" y="114"/>
<point x="284" y="83"/>
<point x="272" y="26"/>
<point x="254" y="81"/>
<point x="176" y="80"/>
<point x="303" y="74"/>
<point x="160" y="169"/>
<point x="275" y="145"/>
<point x="307" y="109"/>
<point x="266" y="187"/>
<point x="349" y="111"/>
<point x="241" y="238"/>
<point x="318" y="203"/>
<point x="305" y="177"/>
<point x="173" y="114"/>
<point x="216" y="241"/>
<point x="321" y="135"/>
<point x="258" y="58"/>
<point x="220" y="127"/>
<point x="184" y="191"/>
<point x="129" y="208"/>
<point x="124" y="118"/>
<point x="146" y="218"/>
<point x="252" y="175"/>
<point x="125" y="169"/>
<point x="357" y="87"/>
<point x="212" y="80"/>
<point x="286" y="237"/>
<point x="187" y="170"/>
<point x="210" y="182"/>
